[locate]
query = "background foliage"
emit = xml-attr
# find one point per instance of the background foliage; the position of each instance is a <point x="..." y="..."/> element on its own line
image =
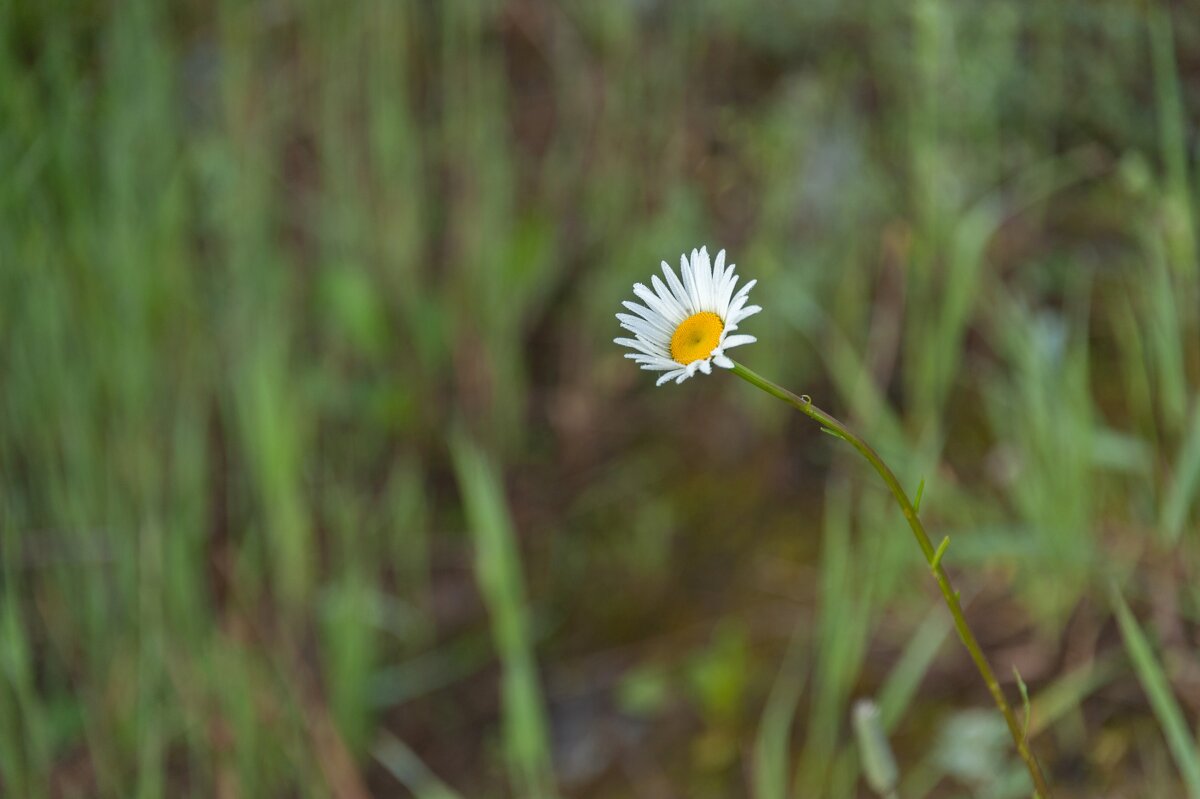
<point x="319" y="474"/>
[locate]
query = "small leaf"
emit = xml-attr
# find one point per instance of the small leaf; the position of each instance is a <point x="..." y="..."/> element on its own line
<point x="833" y="433"/>
<point x="1024" y="703"/>
<point x="937" y="555"/>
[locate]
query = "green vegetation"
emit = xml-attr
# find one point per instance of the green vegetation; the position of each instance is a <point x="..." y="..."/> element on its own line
<point x="320" y="475"/>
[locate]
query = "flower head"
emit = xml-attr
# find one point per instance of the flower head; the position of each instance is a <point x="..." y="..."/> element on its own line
<point x="685" y="325"/>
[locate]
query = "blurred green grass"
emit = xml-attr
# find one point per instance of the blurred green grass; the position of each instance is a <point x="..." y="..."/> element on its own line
<point x="257" y="257"/>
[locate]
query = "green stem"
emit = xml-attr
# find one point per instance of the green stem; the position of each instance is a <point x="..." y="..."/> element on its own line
<point x="933" y="558"/>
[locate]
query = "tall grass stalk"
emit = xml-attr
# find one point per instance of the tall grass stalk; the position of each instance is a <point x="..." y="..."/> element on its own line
<point x="774" y="731"/>
<point x="498" y="572"/>
<point x="403" y="764"/>
<point x="933" y="557"/>
<point x="843" y="630"/>
<point x="1158" y="689"/>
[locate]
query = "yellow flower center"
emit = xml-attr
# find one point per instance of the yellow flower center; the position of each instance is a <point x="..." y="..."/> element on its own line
<point x="696" y="337"/>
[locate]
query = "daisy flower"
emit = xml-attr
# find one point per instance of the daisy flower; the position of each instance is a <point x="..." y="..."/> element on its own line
<point x="685" y="325"/>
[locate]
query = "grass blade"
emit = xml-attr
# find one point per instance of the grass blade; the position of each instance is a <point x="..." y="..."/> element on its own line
<point x="403" y="764"/>
<point x="1185" y="482"/>
<point x="773" y="745"/>
<point x="498" y="572"/>
<point x="905" y="677"/>
<point x="1158" y="690"/>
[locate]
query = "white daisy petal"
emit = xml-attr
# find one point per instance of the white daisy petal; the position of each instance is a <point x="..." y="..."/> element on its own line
<point x="715" y="277"/>
<point x="735" y="307"/>
<point x="644" y="329"/>
<point x="689" y="281"/>
<point x="745" y="289"/>
<point x="680" y="292"/>
<point x="705" y="366"/>
<point x="727" y="294"/>
<point x="722" y="360"/>
<point x="719" y="283"/>
<point x="706" y="281"/>
<point x="737" y="341"/>
<point x="729" y="281"/>
<point x="630" y="319"/>
<point x="725" y="283"/>
<point x="647" y="330"/>
<point x="679" y="375"/>
<point x="655" y="303"/>
<point x="646" y="313"/>
<point x="668" y="297"/>
<point x="656" y="344"/>
<point x="739" y="315"/>
<point x="698" y="278"/>
<point x="640" y="346"/>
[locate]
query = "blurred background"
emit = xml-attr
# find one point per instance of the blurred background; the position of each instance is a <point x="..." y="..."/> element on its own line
<point x="320" y="474"/>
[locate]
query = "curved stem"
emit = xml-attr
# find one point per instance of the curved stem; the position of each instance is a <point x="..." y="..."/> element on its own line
<point x="933" y="558"/>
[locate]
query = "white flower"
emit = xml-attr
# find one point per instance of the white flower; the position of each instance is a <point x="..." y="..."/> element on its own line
<point x="685" y="326"/>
